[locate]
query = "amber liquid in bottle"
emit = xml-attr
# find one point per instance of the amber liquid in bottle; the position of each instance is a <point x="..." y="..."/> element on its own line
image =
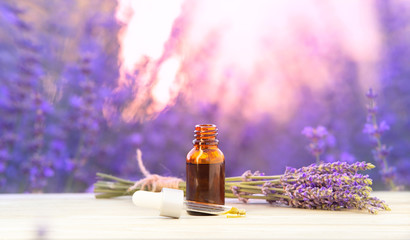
<point x="205" y="168"/>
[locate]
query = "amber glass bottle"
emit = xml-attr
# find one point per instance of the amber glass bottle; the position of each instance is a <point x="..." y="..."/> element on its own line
<point x="205" y="167"/>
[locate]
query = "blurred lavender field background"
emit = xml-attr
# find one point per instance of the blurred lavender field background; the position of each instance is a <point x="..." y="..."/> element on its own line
<point x="83" y="84"/>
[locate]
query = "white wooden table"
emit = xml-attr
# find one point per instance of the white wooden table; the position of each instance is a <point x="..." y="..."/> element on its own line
<point x="81" y="216"/>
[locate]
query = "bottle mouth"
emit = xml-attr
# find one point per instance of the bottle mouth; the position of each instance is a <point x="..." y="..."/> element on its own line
<point x="205" y="134"/>
<point x="205" y="127"/>
<point x="206" y="130"/>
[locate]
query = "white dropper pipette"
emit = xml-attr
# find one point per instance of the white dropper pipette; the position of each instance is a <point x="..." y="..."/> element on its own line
<point x="170" y="203"/>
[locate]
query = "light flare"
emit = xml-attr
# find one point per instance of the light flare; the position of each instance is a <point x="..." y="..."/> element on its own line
<point x="247" y="56"/>
<point x="166" y="89"/>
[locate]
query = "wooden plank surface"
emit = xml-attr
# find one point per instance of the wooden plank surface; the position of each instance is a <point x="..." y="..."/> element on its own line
<point x="81" y="216"/>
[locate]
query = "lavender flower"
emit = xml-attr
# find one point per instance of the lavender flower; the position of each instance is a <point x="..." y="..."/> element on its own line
<point x="339" y="167"/>
<point x="376" y="130"/>
<point x="247" y="174"/>
<point x="318" y="137"/>
<point x="85" y="116"/>
<point x="235" y="190"/>
<point x="380" y="151"/>
<point x="38" y="168"/>
<point x="4" y="159"/>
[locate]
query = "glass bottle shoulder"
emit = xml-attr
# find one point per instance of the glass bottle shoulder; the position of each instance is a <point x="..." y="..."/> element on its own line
<point x="199" y="155"/>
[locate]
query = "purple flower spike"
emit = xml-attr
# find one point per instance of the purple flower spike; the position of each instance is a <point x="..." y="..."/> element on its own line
<point x="338" y="167"/>
<point x="321" y="132"/>
<point x="308" y="132"/>
<point x="383" y="127"/>
<point x="370" y="94"/>
<point x="235" y="190"/>
<point x="318" y="140"/>
<point x="380" y="151"/>
<point x="369" y="129"/>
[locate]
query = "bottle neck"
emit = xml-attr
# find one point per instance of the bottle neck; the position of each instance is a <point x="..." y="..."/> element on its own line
<point x="205" y="136"/>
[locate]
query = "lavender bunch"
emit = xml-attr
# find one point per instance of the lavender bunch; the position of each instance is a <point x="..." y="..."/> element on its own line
<point x="327" y="186"/>
<point x="381" y="151"/>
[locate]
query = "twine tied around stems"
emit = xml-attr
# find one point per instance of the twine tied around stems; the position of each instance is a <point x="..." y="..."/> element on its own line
<point x="153" y="182"/>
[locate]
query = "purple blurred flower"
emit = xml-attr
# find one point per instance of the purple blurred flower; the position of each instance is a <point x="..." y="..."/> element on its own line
<point x="383" y="126"/>
<point x="39" y="170"/>
<point x="76" y="102"/>
<point x="376" y="130"/>
<point x="70" y="165"/>
<point x="370" y="94"/>
<point x="380" y="151"/>
<point x="11" y="15"/>
<point x="135" y="139"/>
<point x="403" y="168"/>
<point x="321" y="132"/>
<point x="4" y="97"/>
<point x="319" y="140"/>
<point x="314" y="134"/>
<point x="369" y="129"/>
